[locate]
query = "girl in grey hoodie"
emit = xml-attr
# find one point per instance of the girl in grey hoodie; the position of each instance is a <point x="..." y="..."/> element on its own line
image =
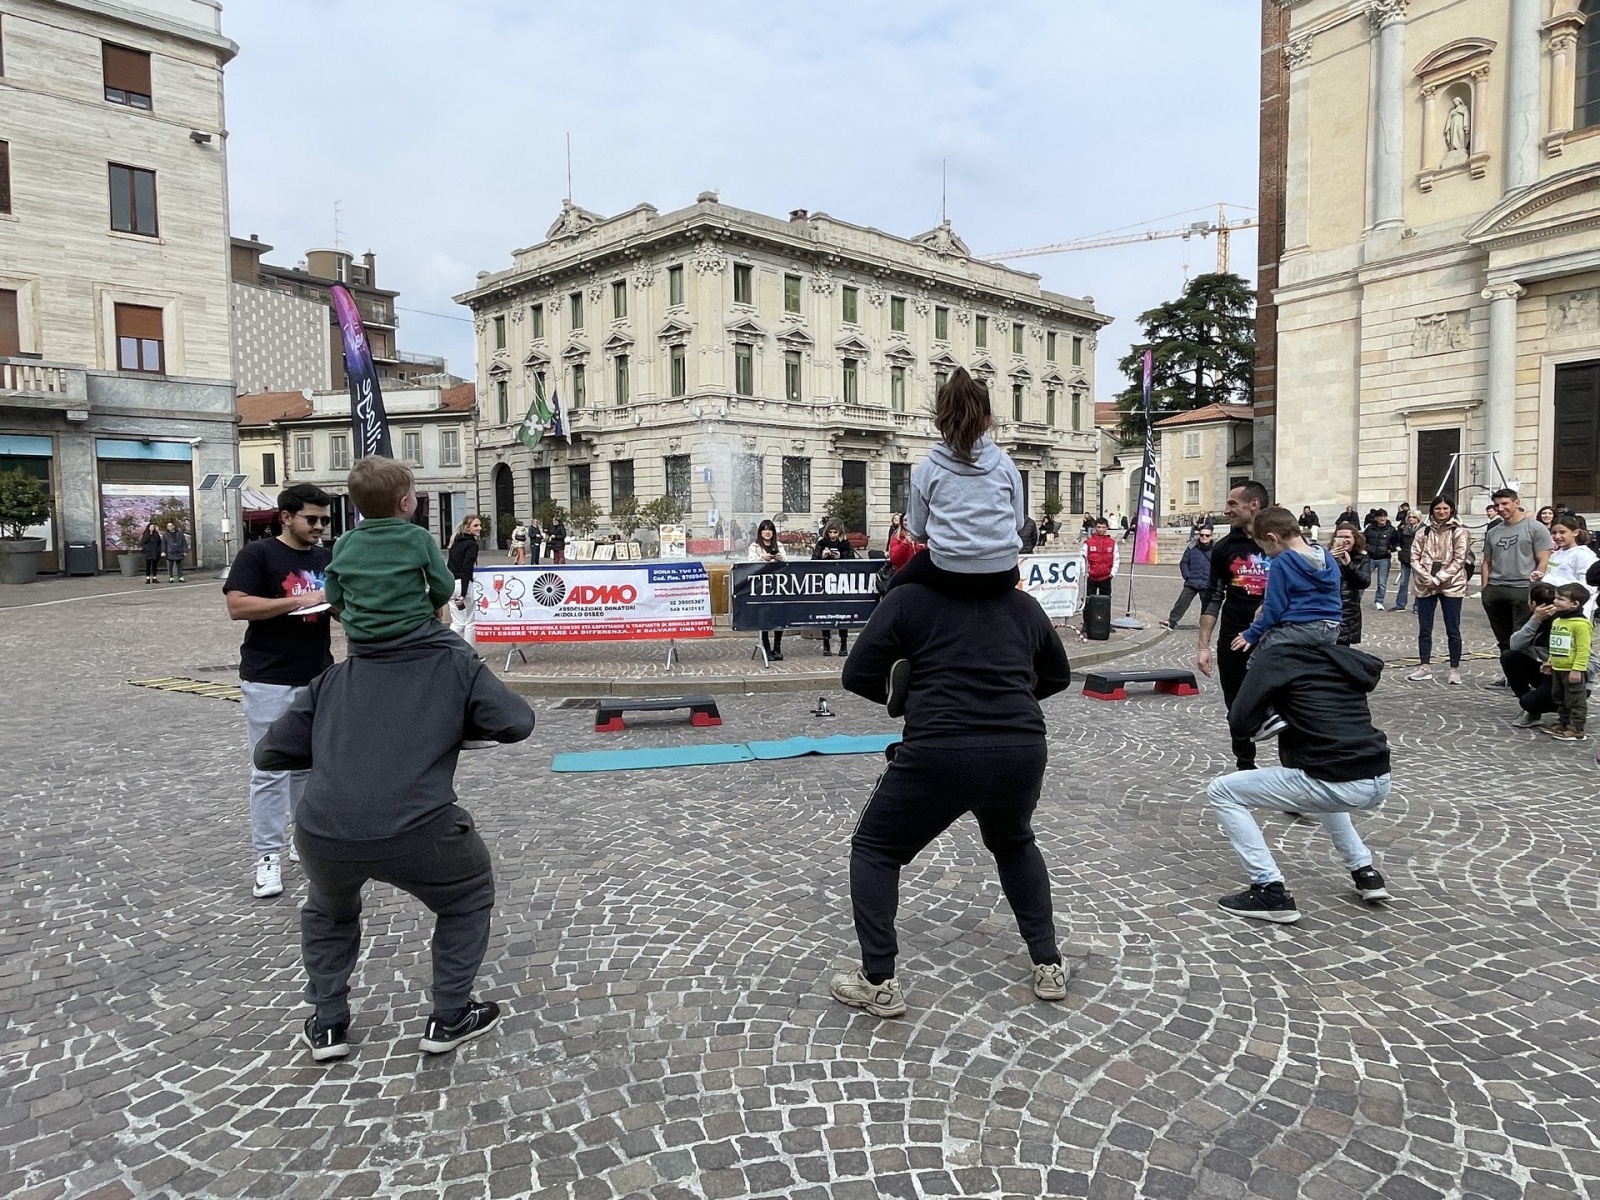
<point x="966" y="499"/>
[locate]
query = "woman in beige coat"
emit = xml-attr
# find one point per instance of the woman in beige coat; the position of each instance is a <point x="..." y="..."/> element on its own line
<point x="1439" y="578"/>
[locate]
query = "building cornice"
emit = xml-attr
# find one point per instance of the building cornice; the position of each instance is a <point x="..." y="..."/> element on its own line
<point x="226" y="48"/>
<point x="720" y="229"/>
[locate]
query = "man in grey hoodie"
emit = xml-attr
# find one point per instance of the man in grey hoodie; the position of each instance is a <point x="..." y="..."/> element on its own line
<point x="380" y="734"/>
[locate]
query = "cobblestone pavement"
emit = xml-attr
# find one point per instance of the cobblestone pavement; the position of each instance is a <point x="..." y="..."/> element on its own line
<point x="663" y="940"/>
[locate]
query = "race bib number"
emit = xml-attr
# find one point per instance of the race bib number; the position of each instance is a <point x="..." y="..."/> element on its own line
<point x="1560" y="643"/>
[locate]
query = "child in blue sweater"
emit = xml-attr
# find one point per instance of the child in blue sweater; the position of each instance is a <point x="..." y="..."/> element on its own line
<point x="1302" y="605"/>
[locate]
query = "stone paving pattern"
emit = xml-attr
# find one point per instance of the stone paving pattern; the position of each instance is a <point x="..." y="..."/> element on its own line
<point x="663" y="941"/>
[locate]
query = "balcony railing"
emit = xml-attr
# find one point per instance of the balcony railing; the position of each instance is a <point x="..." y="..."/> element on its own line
<point x="32" y="383"/>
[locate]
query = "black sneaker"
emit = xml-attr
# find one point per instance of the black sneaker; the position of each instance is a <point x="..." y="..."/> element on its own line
<point x="1262" y="902"/>
<point x="479" y="1018"/>
<point x="899" y="686"/>
<point x="325" y="1042"/>
<point x="1369" y="884"/>
<point x="1270" y="728"/>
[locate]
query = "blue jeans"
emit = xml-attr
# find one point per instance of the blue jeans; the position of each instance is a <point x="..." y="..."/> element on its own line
<point x="273" y="794"/>
<point x="1287" y="789"/>
<point x="1452" y="627"/>
<point x="1402" y="592"/>
<point x="1380" y="574"/>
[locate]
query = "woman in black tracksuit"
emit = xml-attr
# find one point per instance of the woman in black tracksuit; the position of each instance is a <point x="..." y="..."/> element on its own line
<point x="971" y="664"/>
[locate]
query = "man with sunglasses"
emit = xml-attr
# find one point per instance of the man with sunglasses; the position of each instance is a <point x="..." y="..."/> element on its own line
<point x="270" y="582"/>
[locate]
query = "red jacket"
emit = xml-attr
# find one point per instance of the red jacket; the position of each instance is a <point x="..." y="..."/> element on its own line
<point x="902" y="549"/>
<point x="1100" y="551"/>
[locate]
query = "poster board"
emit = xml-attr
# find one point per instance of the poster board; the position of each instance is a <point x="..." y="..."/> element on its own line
<point x="599" y="602"/>
<point x="1054" y="580"/>
<point x="674" y="541"/>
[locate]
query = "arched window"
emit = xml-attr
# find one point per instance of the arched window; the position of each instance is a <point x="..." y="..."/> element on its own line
<point x="1587" y="111"/>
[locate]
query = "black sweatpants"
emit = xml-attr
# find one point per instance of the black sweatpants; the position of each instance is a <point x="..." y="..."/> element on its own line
<point x="1529" y="684"/>
<point x="1231" y="666"/>
<point x="1098" y="587"/>
<point x="923" y="792"/>
<point x="452" y="875"/>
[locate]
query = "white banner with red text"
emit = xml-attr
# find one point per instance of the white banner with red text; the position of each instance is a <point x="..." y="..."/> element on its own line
<point x="602" y="602"/>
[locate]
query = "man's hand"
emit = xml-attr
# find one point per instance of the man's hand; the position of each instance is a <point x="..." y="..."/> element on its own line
<point x="1544" y="668"/>
<point x="1536" y="576"/>
<point x="1544" y="611"/>
<point x="1239" y="643"/>
<point x="1202" y="660"/>
<point x="312" y="599"/>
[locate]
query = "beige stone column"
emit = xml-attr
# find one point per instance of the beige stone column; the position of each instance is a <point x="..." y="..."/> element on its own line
<point x="1501" y="402"/>
<point x="1522" y="95"/>
<point x="1297" y="173"/>
<point x="1430" y="115"/>
<point x="1388" y="19"/>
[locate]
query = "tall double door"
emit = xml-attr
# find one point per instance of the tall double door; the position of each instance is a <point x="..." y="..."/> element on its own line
<point x="1576" y="459"/>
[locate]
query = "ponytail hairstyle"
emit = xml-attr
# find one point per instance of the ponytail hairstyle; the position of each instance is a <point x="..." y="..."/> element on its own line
<point x="1574" y="523"/>
<point x="962" y="414"/>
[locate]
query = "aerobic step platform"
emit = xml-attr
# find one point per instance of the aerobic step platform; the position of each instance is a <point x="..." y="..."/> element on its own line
<point x="1110" y="685"/>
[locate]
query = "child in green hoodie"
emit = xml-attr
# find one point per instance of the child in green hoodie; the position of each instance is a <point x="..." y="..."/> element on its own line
<point x="1570" y="637"/>
<point x="387" y="576"/>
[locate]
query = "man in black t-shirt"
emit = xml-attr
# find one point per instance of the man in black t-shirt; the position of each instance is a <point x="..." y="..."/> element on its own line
<point x="1238" y="582"/>
<point x="269" y="585"/>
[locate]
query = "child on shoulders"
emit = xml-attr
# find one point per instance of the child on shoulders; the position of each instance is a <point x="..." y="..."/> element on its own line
<point x="1302" y="605"/>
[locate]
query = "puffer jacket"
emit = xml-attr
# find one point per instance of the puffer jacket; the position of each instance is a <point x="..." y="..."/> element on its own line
<point x="1443" y="547"/>
<point x="1354" y="578"/>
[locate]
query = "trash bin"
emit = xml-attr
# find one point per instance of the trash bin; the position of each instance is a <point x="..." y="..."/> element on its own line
<point x="1097" y="618"/>
<point x="82" y="559"/>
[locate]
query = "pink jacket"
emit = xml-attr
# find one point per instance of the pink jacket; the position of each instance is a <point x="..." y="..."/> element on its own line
<point x="1444" y="546"/>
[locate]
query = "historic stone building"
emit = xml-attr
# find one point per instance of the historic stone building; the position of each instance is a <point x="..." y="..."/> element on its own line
<point x="752" y="366"/>
<point x="1438" y="288"/>
<point x="116" y="376"/>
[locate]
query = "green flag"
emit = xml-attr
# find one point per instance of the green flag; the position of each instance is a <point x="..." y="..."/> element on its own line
<point x="535" y="423"/>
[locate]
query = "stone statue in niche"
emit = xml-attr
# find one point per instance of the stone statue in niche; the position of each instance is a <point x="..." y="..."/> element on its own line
<point x="1457" y="133"/>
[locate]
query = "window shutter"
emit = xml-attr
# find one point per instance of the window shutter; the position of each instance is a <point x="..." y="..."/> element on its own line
<point x="135" y="320"/>
<point x="126" y="70"/>
<point x="5" y="177"/>
<point x="10" y="325"/>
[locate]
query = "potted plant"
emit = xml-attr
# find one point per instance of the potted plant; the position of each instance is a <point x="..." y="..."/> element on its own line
<point x="626" y="517"/>
<point x="24" y="503"/>
<point x="583" y="518"/>
<point x="130" y="558"/>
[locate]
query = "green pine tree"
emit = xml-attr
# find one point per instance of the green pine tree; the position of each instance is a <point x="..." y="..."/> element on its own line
<point x="1204" y="343"/>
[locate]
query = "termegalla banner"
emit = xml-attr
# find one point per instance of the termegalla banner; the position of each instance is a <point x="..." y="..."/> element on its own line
<point x="839" y="595"/>
<point x="599" y="602"/>
<point x="368" y="422"/>
<point x="809" y="594"/>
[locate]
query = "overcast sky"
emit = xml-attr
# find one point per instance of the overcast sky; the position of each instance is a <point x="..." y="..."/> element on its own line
<point x="439" y="127"/>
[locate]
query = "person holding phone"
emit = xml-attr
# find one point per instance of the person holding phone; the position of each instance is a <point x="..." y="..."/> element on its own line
<point x="1439" y="578"/>
<point x="767" y="549"/>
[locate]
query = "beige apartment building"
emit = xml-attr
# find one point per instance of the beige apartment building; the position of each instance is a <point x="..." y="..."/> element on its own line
<point x="1202" y="455"/>
<point x="1438" y="288"/>
<point x="115" y="361"/>
<point x="753" y="366"/>
<point x="304" y="437"/>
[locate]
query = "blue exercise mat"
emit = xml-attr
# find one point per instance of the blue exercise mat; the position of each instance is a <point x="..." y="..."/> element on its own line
<point x="839" y="743"/>
<point x="649" y="759"/>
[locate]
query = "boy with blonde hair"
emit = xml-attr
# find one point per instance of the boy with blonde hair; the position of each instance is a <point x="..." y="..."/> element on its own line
<point x="387" y="576"/>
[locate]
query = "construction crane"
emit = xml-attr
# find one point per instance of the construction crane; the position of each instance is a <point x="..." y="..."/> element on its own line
<point x="1223" y="228"/>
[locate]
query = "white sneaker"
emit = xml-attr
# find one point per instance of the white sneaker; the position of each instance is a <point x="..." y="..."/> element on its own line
<point x="1454" y="678"/>
<point x="1379" y="606"/>
<point x="288" y="842"/>
<point x="269" y="877"/>
<point x="1420" y="675"/>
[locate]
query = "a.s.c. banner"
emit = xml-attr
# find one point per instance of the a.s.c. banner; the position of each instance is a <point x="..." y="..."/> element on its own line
<point x="602" y="602"/>
<point x="1053" y="580"/>
<point x="809" y="594"/>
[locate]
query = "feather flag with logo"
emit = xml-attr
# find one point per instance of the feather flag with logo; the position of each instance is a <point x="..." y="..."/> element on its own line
<point x="368" y="421"/>
<point x="1145" y="542"/>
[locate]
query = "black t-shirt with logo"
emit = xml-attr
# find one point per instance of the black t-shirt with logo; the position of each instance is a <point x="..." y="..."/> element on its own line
<point x="1238" y="583"/>
<point x="285" y="650"/>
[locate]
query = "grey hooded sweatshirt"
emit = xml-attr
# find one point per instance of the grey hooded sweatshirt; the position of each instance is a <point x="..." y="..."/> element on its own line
<point x="970" y="513"/>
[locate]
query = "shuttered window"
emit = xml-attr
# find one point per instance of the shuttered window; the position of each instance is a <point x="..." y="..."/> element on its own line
<point x="139" y="339"/>
<point x="127" y="75"/>
<point x="133" y="200"/>
<point x="10" y="325"/>
<point x="5" y="177"/>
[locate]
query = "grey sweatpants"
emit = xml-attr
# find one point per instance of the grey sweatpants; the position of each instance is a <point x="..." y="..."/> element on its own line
<point x="273" y="794"/>
<point x="452" y="875"/>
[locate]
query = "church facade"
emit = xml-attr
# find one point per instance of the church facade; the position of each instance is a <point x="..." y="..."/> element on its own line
<point x="1437" y="293"/>
<point x="753" y="366"/>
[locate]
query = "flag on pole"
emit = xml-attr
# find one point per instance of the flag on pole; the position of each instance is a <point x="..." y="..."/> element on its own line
<point x="558" y="426"/>
<point x="536" y="422"/>
<point x="368" y="421"/>
<point x="1145" y="542"/>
